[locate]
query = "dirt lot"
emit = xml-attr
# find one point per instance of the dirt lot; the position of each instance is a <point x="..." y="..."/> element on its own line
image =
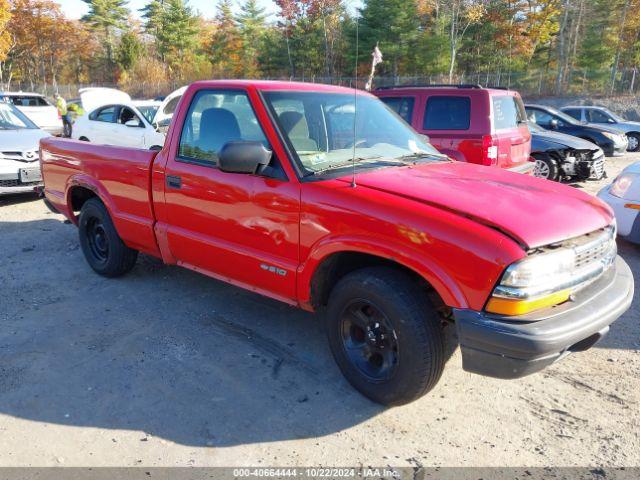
<point x="167" y="367"/>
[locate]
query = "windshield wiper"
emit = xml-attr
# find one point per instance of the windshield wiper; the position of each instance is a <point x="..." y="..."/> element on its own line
<point x="419" y="156"/>
<point x="359" y="160"/>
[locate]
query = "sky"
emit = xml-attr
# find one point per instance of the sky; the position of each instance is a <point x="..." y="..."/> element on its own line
<point x="77" y="8"/>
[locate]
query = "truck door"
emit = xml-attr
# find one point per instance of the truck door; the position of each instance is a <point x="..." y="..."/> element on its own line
<point x="237" y="227"/>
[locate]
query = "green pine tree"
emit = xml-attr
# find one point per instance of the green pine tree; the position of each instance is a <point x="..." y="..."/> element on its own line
<point x="107" y="16"/>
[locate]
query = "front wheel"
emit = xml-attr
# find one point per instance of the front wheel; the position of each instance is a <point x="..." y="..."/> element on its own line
<point x="103" y="248"/>
<point x="634" y="142"/>
<point x="546" y="168"/>
<point x="385" y="335"/>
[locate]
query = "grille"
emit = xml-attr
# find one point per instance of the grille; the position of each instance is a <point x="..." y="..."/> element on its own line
<point x="597" y="169"/>
<point x="595" y="248"/>
<point x="17" y="183"/>
<point x="20" y="156"/>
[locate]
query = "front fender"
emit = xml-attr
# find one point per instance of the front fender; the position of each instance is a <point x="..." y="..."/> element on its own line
<point x="413" y="259"/>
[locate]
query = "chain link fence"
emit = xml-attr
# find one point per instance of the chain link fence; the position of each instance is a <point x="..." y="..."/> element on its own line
<point x="534" y="83"/>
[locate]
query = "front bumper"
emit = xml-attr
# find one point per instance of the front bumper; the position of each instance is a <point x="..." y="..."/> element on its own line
<point x="512" y="347"/>
<point x="612" y="149"/>
<point x="10" y="183"/>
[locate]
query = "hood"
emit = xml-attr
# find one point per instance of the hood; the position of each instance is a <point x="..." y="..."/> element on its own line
<point x="533" y="211"/>
<point x="93" y="98"/>
<point x="600" y="128"/>
<point x="545" y="140"/>
<point x="24" y="140"/>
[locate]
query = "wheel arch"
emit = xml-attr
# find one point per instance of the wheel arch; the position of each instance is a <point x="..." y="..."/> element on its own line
<point x="319" y="274"/>
<point x="80" y="189"/>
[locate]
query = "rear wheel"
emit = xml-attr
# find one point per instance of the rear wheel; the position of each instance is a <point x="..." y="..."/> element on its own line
<point x="103" y="248"/>
<point x="385" y="335"/>
<point x="546" y="168"/>
<point x="634" y="142"/>
<point x="83" y="139"/>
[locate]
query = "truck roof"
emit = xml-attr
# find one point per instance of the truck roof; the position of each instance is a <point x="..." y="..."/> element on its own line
<point x="278" y="85"/>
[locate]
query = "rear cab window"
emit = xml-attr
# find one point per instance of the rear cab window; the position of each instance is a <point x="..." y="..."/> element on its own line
<point x="447" y="113"/>
<point x="104" y="114"/>
<point x="507" y="112"/>
<point x="403" y="106"/>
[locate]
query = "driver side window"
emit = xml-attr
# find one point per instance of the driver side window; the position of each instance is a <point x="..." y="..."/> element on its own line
<point x="596" y="116"/>
<point x="541" y="118"/>
<point x="127" y="114"/>
<point x="215" y="118"/>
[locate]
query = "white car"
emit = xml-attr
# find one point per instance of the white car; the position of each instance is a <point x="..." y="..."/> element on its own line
<point x="623" y="196"/>
<point x="167" y="108"/>
<point x="37" y="108"/>
<point x="19" y="145"/>
<point x="111" y="118"/>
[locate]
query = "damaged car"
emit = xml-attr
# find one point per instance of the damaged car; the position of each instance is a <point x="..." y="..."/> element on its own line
<point x="559" y="156"/>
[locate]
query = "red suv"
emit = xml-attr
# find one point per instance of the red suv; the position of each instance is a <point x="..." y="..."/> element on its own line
<point x="468" y="123"/>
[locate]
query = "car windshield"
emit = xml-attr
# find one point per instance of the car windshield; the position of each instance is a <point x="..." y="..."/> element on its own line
<point x="319" y="127"/>
<point x="13" y="119"/>
<point x="149" y="111"/>
<point x="615" y="116"/>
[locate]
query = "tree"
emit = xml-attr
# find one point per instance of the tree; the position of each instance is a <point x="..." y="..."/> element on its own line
<point x="393" y="24"/>
<point x="251" y="24"/>
<point x="462" y="14"/>
<point x="5" y="37"/>
<point x="107" y="17"/>
<point x="226" y="42"/>
<point x="177" y="35"/>
<point x="129" y="50"/>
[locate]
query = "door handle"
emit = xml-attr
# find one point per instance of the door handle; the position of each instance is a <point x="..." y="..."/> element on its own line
<point x="173" y="181"/>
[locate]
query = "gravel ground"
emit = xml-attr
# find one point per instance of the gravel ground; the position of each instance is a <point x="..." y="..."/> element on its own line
<point x="166" y="367"/>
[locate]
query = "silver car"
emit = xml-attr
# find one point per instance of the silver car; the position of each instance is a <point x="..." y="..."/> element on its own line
<point x="19" y="145"/>
<point x="602" y="115"/>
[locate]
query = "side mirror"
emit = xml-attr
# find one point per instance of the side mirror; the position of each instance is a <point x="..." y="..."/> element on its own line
<point x="611" y="120"/>
<point x="243" y="157"/>
<point x="134" y="122"/>
<point x="554" y="123"/>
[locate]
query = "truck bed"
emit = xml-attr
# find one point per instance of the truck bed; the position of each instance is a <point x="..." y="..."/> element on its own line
<point x="120" y="176"/>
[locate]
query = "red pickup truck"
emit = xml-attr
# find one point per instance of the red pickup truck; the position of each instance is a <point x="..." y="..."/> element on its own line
<point x="322" y="198"/>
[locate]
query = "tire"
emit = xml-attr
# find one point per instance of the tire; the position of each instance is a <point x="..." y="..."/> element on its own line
<point x="634" y="142"/>
<point x="408" y="326"/>
<point x="546" y="168"/>
<point x="156" y="148"/>
<point x="83" y="139"/>
<point x="103" y="248"/>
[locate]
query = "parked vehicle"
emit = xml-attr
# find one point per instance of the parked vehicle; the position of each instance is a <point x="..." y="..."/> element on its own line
<point x="148" y="108"/>
<point x="612" y="142"/>
<point x="37" y="108"/>
<point x="167" y="108"/>
<point x="602" y="115"/>
<point x="19" y="143"/>
<point x="559" y="156"/>
<point x="118" y="124"/>
<point x="467" y="122"/>
<point x="268" y="186"/>
<point x="623" y="196"/>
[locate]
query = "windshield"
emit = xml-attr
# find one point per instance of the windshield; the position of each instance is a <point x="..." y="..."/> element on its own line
<point x="149" y="111"/>
<point x="615" y="116"/>
<point x="13" y="119"/>
<point x="320" y="129"/>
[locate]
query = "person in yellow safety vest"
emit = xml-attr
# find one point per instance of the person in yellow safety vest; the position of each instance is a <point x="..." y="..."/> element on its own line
<point x="61" y="105"/>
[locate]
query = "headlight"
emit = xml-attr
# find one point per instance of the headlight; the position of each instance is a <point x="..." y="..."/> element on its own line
<point x="621" y="184"/>
<point x="610" y="136"/>
<point x="545" y="279"/>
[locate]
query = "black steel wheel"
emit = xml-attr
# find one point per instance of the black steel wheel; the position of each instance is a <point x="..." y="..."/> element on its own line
<point x="369" y="340"/>
<point x="385" y="335"/>
<point x="103" y="248"/>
